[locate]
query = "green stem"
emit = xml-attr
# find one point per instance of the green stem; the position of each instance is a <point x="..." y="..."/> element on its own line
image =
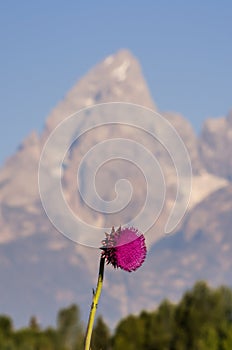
<point x="96" y="296"/>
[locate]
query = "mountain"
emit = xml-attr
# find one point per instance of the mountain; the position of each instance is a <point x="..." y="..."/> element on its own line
<point x="215" y="146"/>
<point x="41" y="270"/>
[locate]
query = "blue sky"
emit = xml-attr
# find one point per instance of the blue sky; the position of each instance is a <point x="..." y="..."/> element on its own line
<point x="184" y="48"/>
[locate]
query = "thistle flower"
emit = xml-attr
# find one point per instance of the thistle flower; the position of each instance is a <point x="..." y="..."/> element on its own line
<point x="124" y="248"/>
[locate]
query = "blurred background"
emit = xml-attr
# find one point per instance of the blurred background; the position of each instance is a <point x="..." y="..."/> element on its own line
<point x="173" y="57"/>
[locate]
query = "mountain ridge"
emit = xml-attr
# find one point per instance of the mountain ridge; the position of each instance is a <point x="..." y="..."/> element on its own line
<point x="42" y="271"/>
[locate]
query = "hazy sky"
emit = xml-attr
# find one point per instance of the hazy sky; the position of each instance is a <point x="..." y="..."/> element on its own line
<point x="184" y="48"/>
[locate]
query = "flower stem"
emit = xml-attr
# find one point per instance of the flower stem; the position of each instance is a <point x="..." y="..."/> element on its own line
<point x="96" y="296"/>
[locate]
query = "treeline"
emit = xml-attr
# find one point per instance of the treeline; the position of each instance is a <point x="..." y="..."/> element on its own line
<point x="202" y="320"/>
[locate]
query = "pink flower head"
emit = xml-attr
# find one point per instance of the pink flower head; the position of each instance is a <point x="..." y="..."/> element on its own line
<point x="124" y="248"/>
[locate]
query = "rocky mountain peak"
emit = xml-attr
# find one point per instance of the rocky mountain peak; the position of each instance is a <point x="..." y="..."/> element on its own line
<point x="215" y="146"/>
<point x="118" y="77"/>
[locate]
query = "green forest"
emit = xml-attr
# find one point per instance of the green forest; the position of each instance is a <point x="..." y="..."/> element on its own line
<point x="201" y="320"/>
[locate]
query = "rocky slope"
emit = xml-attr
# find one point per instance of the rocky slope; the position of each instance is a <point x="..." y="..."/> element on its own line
<point x="215" y="146"/>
